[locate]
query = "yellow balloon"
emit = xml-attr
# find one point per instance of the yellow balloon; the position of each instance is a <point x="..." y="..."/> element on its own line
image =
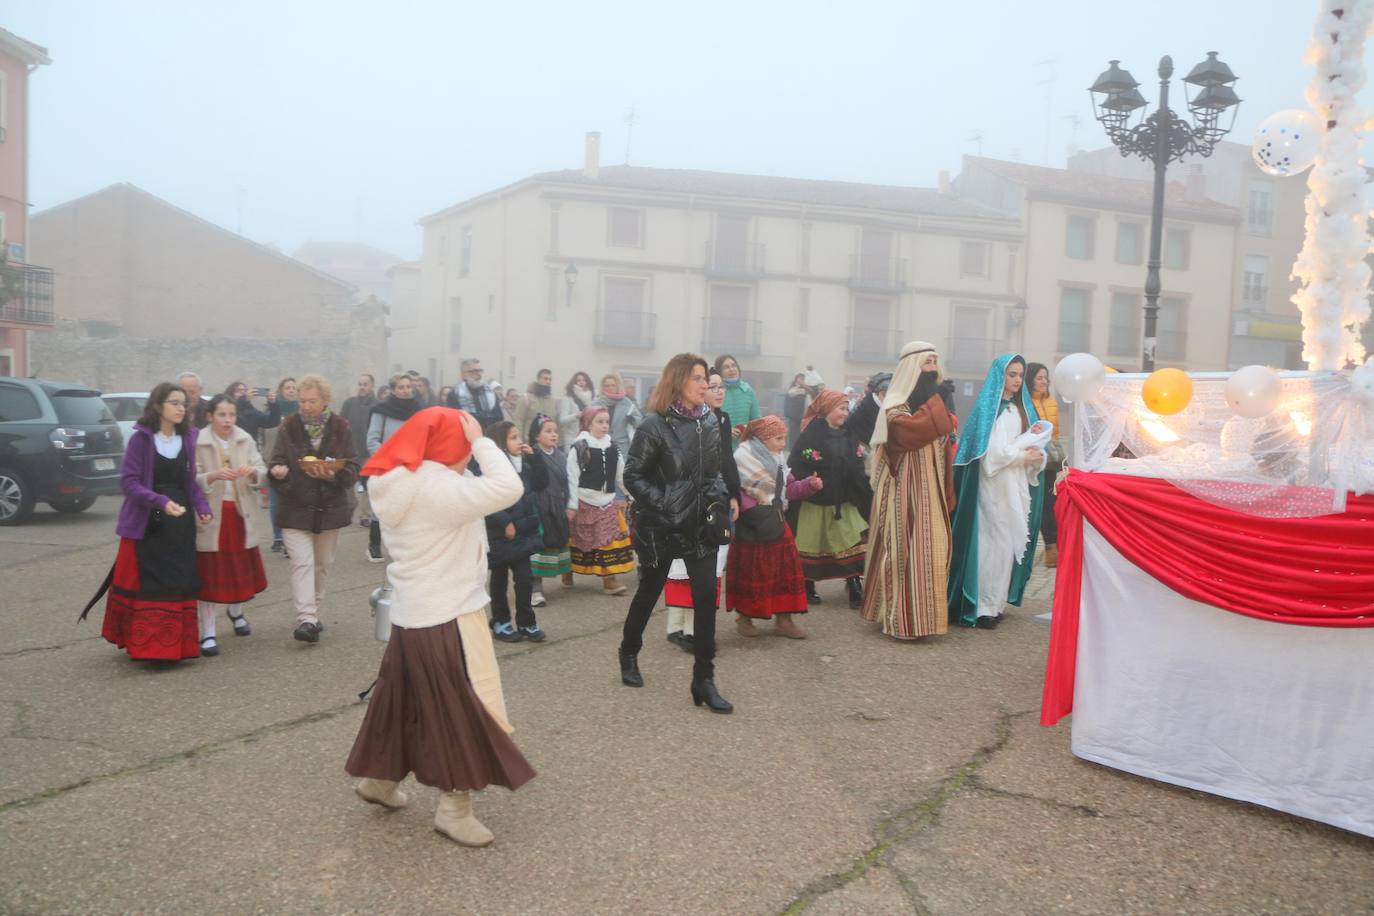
<point x="1167" y="391"/>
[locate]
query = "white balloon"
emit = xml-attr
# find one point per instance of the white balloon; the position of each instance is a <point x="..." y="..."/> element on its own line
<point x="1079" y="377"/>
<point x="1253" y="391"/>
<point x="1287" y="142"/>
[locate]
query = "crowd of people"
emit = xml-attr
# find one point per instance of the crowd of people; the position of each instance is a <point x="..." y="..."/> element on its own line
<point x="471" y="494"/>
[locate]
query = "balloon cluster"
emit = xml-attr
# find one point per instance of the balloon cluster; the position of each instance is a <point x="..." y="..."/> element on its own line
<point x="1251" y="391"/>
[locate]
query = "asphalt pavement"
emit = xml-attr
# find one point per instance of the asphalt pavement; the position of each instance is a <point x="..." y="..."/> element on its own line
<point x="857" y="775"/>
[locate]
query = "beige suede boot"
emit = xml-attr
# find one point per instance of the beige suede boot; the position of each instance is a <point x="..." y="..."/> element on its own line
<point x="784" y="625"/>
<point x="382" y="792"/>
<point x="454" y="820"/>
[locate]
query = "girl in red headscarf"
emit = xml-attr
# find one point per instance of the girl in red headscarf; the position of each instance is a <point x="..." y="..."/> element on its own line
<point x="832" y="527"/>
<point x="438" y="710"/>
<point x="763" y="576"/>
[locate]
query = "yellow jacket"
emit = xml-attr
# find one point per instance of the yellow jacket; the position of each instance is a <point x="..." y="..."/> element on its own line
<point x="1048" y="408"/>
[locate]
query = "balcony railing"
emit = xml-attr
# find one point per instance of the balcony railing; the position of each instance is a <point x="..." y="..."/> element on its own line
<point x="874" y="345"/>
<point x="26" y="293"/>
<point x="625" y="330"/>
<point x="874" y="273"/>
<point x="731" y="335"/>
<point x="734" y="259"/>
<point x="970" y="354"/>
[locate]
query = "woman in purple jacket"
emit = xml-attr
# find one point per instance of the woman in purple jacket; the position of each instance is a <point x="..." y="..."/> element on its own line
<point x="151" y="608"/>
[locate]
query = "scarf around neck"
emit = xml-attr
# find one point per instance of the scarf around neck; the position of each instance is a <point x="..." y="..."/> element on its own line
<point x="761" y="473"/>
<point x="397" y="408"/>
<point x="688" y="413"/>
<point x="314" y="429"/>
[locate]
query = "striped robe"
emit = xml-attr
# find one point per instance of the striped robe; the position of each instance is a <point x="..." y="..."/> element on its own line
<point x="906" y="574"/>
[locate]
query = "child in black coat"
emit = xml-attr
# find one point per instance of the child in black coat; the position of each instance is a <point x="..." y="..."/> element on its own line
<point x="513" y="536"/>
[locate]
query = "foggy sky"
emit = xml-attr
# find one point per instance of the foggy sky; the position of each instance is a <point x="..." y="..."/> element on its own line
<point x="346" y="121"/>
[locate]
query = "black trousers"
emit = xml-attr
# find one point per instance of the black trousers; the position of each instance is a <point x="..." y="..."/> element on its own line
<point x="1049" y="524"/>
<point x="519" y="570"/>
<point x="702" y="573"/>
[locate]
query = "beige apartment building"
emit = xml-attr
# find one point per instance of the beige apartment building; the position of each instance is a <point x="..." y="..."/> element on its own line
<point x="1087" y="242"/>
<point x="1265" y="327"/>
<point x="620" y="267"/>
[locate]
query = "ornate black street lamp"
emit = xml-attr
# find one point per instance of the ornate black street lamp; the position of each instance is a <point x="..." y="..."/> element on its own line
<point x="1160" y="139"/>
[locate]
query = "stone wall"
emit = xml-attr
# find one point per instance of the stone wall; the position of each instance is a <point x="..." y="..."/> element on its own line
<point x="137" y="364"/>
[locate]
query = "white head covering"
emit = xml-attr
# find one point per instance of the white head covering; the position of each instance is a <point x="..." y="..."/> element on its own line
<point x="903" y="383"/>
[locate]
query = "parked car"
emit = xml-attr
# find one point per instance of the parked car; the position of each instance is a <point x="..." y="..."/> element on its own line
<point x="126" y="407"/>
<point x="58" y="444"/>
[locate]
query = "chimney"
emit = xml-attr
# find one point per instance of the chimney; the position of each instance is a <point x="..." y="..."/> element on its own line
<point x="944" y="183"/>
<point x="592" y="167"/>
<point x="1196" y="188"/>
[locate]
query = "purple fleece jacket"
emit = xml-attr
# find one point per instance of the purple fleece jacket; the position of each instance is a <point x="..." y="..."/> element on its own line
<point x="136" y="480"/>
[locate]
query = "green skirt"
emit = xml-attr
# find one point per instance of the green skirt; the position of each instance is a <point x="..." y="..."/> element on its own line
<point x="830" y="547"/>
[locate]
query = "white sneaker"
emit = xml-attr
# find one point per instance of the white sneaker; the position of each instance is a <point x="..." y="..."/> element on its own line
<point x="537" y="599"/>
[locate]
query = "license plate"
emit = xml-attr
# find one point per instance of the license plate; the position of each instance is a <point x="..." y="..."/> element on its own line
<point x="104" y="464"/>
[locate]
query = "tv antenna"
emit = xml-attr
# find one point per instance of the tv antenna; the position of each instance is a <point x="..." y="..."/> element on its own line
<point x="976" y="137"/>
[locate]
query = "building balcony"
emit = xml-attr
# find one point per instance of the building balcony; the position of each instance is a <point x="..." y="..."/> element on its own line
<point x="737" y="336"/>
<point x="734" y="260"/>
<point x="26" y="294"/>
<point x="625" y="330"/>
<point x="874" y="345"/>
<point x="970" y="355"/>
<point x="888" y="275"/>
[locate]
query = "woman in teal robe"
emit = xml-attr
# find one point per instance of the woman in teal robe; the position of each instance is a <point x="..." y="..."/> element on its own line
<point x="998" y="479"/>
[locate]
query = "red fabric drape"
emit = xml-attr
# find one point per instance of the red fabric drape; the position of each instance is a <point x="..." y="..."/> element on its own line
<point x="1306" y="571"/>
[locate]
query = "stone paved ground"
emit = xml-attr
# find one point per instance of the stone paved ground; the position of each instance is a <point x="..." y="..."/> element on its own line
<point x="858" y="775"/>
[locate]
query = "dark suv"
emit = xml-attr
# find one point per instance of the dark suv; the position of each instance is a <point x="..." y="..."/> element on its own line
<point x="58" y="444"/>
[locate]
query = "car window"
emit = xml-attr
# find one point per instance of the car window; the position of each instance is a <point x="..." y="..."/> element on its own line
<point x="17" y="403"/>
<point x="125" y="408"/>
<point x="80" y="409"/>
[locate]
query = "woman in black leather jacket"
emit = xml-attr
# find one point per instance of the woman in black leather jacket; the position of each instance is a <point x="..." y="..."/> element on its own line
<point x="673" y="474"/>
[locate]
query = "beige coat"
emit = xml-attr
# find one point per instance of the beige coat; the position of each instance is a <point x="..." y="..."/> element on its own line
<point x="209" y="456"/>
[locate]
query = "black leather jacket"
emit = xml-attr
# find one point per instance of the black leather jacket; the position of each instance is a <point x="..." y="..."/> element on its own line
<point x="673" y="473"/>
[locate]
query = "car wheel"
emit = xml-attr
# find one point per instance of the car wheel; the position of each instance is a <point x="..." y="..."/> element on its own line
<point x="72" y="504"/>
<point x="16" y="498"/>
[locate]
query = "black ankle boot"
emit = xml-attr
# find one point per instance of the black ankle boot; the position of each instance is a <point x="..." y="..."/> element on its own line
<point x="629" y="670"/>
<point x="704" y="691"/>
<point x="812" y="596"/>
<point x="856" y="591"/>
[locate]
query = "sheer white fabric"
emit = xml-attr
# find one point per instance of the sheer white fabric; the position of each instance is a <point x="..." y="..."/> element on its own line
<point x="1299" y="461"/>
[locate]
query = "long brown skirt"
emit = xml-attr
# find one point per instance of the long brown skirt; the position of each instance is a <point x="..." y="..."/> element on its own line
<point x="424" y="718"/>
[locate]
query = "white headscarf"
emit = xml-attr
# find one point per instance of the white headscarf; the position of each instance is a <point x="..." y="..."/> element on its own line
<point x="903" y="383"/>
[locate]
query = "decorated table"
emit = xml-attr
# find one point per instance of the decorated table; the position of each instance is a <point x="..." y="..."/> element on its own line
<point x="1213" y="649"/>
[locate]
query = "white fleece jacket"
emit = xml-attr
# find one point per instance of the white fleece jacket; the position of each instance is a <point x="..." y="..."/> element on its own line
<point x="433" y="523"/>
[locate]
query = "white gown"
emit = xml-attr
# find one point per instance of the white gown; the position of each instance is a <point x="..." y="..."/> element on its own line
<point x="1004" y="507"/>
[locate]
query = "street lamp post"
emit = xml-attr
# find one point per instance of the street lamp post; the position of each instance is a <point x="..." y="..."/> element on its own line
<point x="570" y="278"/>
<point x="1160" y="139"/>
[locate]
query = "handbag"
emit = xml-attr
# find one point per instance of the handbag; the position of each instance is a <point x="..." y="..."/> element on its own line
<point x="718" y="530"/>
<point x="761" y="524"/>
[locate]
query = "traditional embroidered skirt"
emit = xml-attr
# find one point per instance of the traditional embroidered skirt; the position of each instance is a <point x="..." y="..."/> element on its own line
<point x="677" y="591"/>
<point x="424" y="718"/>
<point x="763" y="579"/>
<point x="233" y="573"/>
<point x="148" y="615"/>
<point x="830" y="547"/>
<point x="547" y="563"/>
<point x="600" y="541"/>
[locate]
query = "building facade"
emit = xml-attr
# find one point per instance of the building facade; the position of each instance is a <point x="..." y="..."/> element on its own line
<point x="1087" y="244"/>
<point x="1265" y="326"/>
<point x="26" y="289"/>
<point x="621" y="267"/>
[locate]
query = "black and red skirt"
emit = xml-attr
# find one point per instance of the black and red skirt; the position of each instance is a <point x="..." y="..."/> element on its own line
<point x="233" y="573"/>
<point x="149" y="622"/>
<point x="765" y="578"/>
